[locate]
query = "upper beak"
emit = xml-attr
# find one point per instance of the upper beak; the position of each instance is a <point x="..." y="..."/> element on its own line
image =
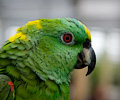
<point x="86" y="58"/>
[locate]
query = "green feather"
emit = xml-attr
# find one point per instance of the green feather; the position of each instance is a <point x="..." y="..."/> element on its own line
<point x="38" y="62"/>
<point x="21" y="53"/>
<point x="21" y="47"/>
<point x="6" y="47"/>
<point x="13" y="71"/>
<point x="21" y="91"/>
<point x="52" y="85"/>
<point x="3" y="55"/>
<point x="17" y="41"/>
<point x="12" y="51"/>
<point x="13" y="45"/>
<point x="28" y="81"/>
<point x="4" y="62"/>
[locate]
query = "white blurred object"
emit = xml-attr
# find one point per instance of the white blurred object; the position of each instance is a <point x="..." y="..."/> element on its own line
<point x="98" y="41"/>
<point x="108" y="43"/>
<point x="113" y="45"/>
<point x="10" y="32"/>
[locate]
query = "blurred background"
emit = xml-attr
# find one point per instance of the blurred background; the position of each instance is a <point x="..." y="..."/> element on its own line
<point x="102" y="17"/>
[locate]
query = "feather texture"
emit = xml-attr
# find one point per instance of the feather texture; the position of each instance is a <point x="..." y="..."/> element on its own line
<point x="37" y="61"/>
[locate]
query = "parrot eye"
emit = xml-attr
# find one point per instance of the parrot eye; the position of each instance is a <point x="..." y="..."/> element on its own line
<point x="67" y="38"/>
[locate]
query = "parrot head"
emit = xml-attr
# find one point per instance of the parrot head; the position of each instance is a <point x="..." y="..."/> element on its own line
<point x="58" y="46"/>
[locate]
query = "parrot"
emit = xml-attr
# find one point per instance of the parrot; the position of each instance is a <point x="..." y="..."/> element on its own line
<point x="37" y="61"/>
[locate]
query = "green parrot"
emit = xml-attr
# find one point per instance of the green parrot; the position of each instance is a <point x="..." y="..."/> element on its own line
<point x="36" y="63"/>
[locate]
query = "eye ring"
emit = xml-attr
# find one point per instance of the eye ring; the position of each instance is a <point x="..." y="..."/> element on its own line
<point x="67" y="38"/>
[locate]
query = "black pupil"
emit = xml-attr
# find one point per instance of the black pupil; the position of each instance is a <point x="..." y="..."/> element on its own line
<point x="67" y="38"/>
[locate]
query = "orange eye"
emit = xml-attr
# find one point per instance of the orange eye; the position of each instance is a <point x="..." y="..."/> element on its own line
<point x="67" y="38"/>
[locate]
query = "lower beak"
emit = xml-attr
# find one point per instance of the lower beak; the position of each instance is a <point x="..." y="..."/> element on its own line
<point x="86" y="58"/>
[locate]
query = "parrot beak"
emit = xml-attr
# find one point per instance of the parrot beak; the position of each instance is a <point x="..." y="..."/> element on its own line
<point x="86" y="58"/>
